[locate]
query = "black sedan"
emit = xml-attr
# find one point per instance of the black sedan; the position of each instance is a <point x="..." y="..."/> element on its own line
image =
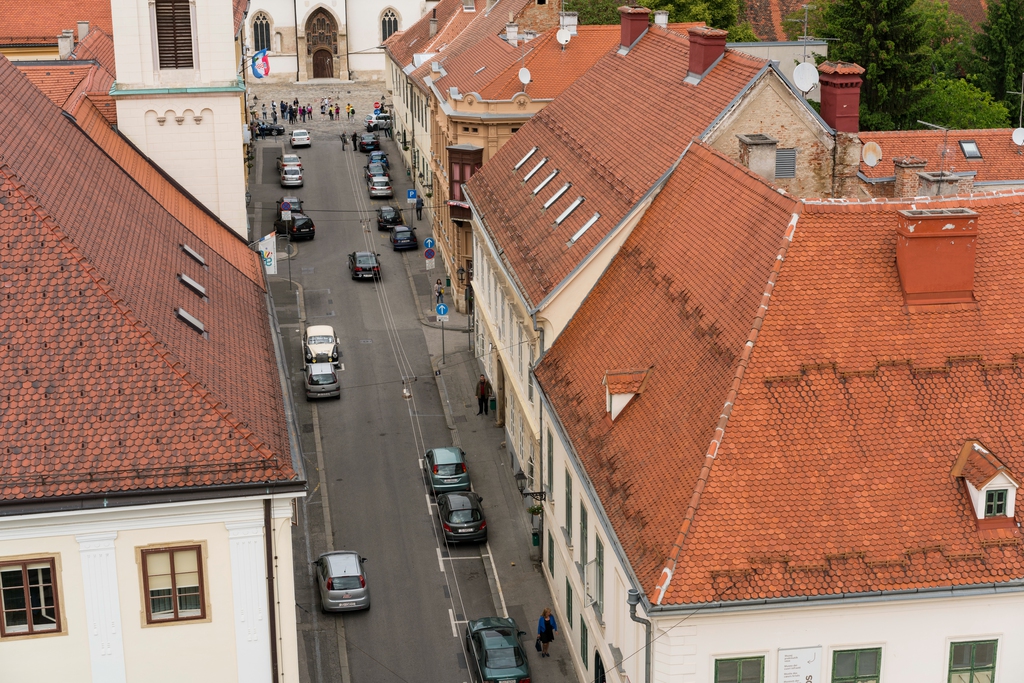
<point x="364" y="264"/>
<point x="274" y="129"/>
<point x="300" y="227"/>
<point x="462" y="517"/>
<point x="368" y="143"/>
<point x="403" y="237"/>
<point x="388" y="216"/>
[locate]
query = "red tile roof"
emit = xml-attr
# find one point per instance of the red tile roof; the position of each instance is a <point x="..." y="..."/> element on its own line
<point x="625" y="381"/>
<point x="69" y="83"/>
<point x="1000" y="158"/>
<point x="103" y="389"/>
<point x="823" y="467"/>
<point x="23" y="19"/>
<point x="978" y="465"/>
<point x="239" y="9"/>
<point x="597" y="153"/>
<point x="842" y="68"/>
<point x="416" y="39"/>
<point x="471" y="70"/>
<point x="99" y="47"/>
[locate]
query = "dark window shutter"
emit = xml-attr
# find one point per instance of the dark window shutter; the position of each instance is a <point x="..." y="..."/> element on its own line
<point x="174" y="34"/>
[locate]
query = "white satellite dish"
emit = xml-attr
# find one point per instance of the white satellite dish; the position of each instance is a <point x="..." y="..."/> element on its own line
<point x="524" y="75"/>
<point x="872" y="154"/>
<point x="1018" y="137"/>
<point x="563" y="36"/>
<point x="805" y="76"/>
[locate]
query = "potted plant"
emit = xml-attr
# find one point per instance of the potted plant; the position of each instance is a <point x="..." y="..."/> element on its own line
<point x="535" y="509"/>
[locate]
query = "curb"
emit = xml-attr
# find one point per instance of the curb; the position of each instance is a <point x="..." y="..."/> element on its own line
<point x="416" y="298"/>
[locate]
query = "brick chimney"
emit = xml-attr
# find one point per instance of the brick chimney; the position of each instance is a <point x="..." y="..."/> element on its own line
<point x="65" y="43"/>
<point x="942" y="184"/>
<point x="907" y="181"/>
<point x="433" y="24"/>
<point x="757" y="152"/>
<point x="935" y="255"/>
<point x="634" y="22"/>
<point x="83" y="30"/>
<point x="706" y="46"/>
<point x="569" y="21"/>
<point x="840" y="95"/>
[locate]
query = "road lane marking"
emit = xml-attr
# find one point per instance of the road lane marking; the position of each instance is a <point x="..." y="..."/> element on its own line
<point x="497" y="582"/>
<point x="451" y="618"/>
<point x="430" y="506"/>
<point x="440" y="561"/>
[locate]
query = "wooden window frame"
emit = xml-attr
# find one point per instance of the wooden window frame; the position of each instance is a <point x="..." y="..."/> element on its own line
<point x="856" y="677"/>
<point x="176" y="59"/>
<point x="584" y="645"/>
<point x="24" y="563"/>
<point x="972" y="670"/>
<point x="992" y="502"/>
<point x="170" y="550"/>
<point x="568" y="600"/>
<point x="551" y="555"/>
<point x="741" y="660"/>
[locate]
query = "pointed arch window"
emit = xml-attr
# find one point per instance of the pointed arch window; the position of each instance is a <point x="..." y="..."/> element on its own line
<point x="388" y="24"/>
<point x="261" y="32"/>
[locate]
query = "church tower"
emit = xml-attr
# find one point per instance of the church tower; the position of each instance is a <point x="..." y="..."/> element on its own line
<point x="180" y="96"/>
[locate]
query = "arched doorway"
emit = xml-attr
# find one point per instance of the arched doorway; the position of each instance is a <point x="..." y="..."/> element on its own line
<point x="323" y="64"/>
<point x="599" y="675"/>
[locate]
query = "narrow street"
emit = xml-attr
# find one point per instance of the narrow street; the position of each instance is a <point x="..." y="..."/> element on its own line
<point x="363" y="452"/>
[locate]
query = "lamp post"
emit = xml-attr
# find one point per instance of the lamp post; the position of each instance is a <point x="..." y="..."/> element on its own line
<point x="521" y="485"/>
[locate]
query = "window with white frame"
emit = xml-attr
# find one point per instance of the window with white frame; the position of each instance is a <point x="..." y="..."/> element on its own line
<point x="742" y="670"/>
<point x="972" y="662"/>
<point x="28" y="597"/>
<point x="856" y="666"/>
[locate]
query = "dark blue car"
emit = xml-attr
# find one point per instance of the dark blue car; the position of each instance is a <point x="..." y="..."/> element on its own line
<point x="403" y="237"/>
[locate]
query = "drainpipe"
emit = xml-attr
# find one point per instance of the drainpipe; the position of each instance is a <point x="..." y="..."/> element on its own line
<point x="633" y="598"/>
<point x="268" y="531"/>
<point x="348" y="45"/>
<point x="295" y="11"/>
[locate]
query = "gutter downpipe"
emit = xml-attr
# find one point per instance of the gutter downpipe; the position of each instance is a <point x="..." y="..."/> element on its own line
<point x="633" y="599"/>
<point x="295" y="13"/>
<point x="272" y="611"/>
<point x="348" y="46"/>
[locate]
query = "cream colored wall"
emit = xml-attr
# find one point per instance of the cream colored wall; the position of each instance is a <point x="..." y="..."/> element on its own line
<point x="284" y="593"/>
<point x="63" y="656"/>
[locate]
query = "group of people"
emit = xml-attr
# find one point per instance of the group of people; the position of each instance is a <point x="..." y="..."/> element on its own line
<point x="295" y="113"/>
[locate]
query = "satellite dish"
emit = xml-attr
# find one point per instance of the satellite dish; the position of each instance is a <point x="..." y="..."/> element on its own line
<point x="872" y="154"/>
<point x="524" y="75"/>
<point x="805" y="76"/>
<point x="1018" y="137"/>
<point x="563" y="36"/>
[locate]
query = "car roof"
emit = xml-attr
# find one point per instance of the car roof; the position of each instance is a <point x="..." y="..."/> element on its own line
<point x="376" y="163"/>
<point x="447" y="454"/>
<point x="380" y="180"/>
<point x="300" y="132"/>
<point x="491" y="627"/>
<point x="321" y="369"/>
<point x="368" y="135"/>
<point x="365" y="253"/>
<point x="291" y="170"/>
<point x="343" y="563"/>
<point x="462" y="500"/>
<point x="388" y="208"/>
<point x="318" y="330"/>
<point x="399" y="228"/>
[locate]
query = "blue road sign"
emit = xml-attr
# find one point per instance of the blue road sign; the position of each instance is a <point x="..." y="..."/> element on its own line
<point x="376" y="111"/>
<point x="428" y="253"/>
<point x="286" y="206"/>
<point x="442" y="309"/>
<point x="428" y="243"/>
<point x="410" y="194"/>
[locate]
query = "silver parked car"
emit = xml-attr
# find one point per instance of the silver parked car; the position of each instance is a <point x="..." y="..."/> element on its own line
<point x="291" y="176"/>
<point x="321" y="381"/>
<point x="342" y="581"/>
<point x="379" y="187"/>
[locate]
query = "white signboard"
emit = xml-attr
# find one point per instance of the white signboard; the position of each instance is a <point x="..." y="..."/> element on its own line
<point x="800" y="665"/>
<point x="442" y="318"/>
<point x="286" y="215"/>
<point x="268" y="252"/>
<point x="430" y="263"/>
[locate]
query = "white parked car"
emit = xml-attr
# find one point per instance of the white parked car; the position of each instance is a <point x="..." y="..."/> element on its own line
<point x="300" y="138"/>
<point x="321" y="346"/>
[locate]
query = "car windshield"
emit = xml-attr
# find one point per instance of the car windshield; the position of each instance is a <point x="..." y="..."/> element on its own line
<point x="300" y="133"/>
<point x="303" y="222"/>
<point x="321" y="339"/>
<point x="445" y="470"/>
<point x="503" y="658"/>
<point x="380" y="182"/>
<point x="464" y="516"/>
<point x="291" y="170"/>
<point x="323" y="379"/>
<point x="387" y="212"/>
<point x="402" y="235"/>
<point x="344" y="583"/>
<point x="289" y="159"/>
<point x="366" y="260"/>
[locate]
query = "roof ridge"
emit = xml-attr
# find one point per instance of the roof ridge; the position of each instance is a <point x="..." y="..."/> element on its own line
<point x="672" y="561"/>
<point x="143" y="330"/>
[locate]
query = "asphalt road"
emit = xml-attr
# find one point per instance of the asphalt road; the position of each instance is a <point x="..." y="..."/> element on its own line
<point x="373" y="438"/>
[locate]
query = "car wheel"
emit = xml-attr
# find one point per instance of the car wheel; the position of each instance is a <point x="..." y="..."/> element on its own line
<point x="338" y="397"/>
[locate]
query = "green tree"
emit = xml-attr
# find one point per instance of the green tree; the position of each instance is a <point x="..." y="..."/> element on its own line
<point x="594" y="12"/>
<point x="955" y="103"/>
<point x="947" y="39"/>
<point x="885" y="37"/>
<point x="717" y="13"/>
<point x="1001" y="47"/>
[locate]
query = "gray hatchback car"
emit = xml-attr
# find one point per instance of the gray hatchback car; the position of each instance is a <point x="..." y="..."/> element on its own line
<point x="342" y="581"/>
<point x="321" y="381"/>
<point x="446" y="469"/>
<point x="462" y="517"/>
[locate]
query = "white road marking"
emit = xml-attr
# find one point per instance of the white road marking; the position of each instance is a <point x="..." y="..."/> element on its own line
<point x="497" y="582"/>
<point x="342" y="368"/>
<point x="451" y="618"/>
<point x="421" y="464"/>
<point x="430" y="506"/>
<point x="440" y="560"/>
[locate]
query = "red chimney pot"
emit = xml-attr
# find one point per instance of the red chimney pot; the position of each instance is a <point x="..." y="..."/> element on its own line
<point x="634" y="21"/>
<point x="840" y="95"/>
<point x="706" y="45"/>
<point x="935" y="255"/>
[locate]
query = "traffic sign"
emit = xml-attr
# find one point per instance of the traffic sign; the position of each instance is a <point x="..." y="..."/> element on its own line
<point x="430" y="264"/>
<point x="286" y="206"/>
<point x="286" y="215"/>
<point x="410" y="196"/>
<point x="442" y="309"/>
<point x="428" y="254"/>
<point x="428" y="243"/>
<point x="376" y="105"/>
<point x="376" y="111"/>
<point x="442" y="318"/>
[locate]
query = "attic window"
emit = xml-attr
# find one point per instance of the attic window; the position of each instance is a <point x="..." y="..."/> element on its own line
<point x="534" y="170"/>
<point x="785" y="163"/>
<point x="572" y="207"/>
<point x="554" y="198"/>
<point x="194" y="254"/>
<point x="545" y="182"/>
<point x="480" y="69"/>
<point x="586" y="226"/>
<point x="190" y="320"/>
<point x="192" y="284"/>
<point x="526" y="158"/>
<point x="995" y="503"/>
<point x="970" y="149"/>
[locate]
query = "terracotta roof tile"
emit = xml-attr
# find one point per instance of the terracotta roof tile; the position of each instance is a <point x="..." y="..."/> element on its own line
<point x="99" y="47"/>
<point x="978" y="465"/>
<point x="594" y="154"/>
<point x="1000" y="158"/>
<point x="471" y="70"/>
<point x="26" y="19"/>
<point x="56" y="80"/>
<point x="120" y="395"/>
<point x="625" y="381"/>
<point x="403" y="45"/>
<point x="843" y="68"/>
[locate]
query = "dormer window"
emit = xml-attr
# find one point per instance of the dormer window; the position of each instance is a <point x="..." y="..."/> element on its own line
<point x="995" y="503"/>
<point x="621" y="387"/>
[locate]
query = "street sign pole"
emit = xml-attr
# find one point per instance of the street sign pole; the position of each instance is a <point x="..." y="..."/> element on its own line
<point x="442" y="342"/>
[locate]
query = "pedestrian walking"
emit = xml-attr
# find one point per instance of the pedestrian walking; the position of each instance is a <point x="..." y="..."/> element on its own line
<point x="355" y="141"/>
<point x="274" y="117"/>
<point x="264" y="111"/>
<point x="419" y="209"/>
<point x="330" y="112"/>
<point x="337" y="111"/>
<point x="438" y="292"/>
<point x="353" y="112"/>
<point x="546" y="630"/>
<point x="483" y="392"/>
<point x="344" y="142"/>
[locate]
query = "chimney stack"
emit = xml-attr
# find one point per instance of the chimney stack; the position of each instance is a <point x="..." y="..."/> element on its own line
<point x="840" y="95"/>
<point x="433" y="24"/>
<point x="634" y="22"/>
<point x="661" y="18"/>
<point x="907" y="181"/>
<point x="512" y="34"/>
<point x="569" y="21"/>
<point x="706" y="46"/>
<point x="944" y="184"/>
<point x="65" y="43"/>
<point x="83" y="30"/>
<point x="935" y="255"/>
<point x="757" y="152"/>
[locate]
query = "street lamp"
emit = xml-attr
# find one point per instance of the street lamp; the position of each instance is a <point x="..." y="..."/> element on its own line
<point x="461" y="274"/>
<point x="521" y="485"/>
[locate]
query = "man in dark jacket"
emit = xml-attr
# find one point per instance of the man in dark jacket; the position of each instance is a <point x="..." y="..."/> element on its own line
<point x="483" y="393"/>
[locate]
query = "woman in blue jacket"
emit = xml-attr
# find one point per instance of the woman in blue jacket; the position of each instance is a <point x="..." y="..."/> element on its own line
<point x="546" y="629"/>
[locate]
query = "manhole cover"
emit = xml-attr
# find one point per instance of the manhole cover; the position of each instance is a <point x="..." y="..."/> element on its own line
<point x="307" y="270"/>
<point x="365" y="341"/>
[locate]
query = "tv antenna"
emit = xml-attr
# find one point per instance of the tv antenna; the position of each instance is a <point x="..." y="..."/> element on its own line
<point x="1020" y="115"/>
<point x="942" y="157"/>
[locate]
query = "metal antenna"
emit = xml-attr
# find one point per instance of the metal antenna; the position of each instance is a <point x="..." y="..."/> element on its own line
<point x="1020" y="116"/>
<point x="804" y="38"/>
<point x="942" y="157"/>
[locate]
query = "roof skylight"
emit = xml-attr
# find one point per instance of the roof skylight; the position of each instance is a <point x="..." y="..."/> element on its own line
<point x="525" y="159"/>
<point x="970" y="149"/>
<point x="554" y="198"/>
<point x="480" y="69"/>
<point x="534" y="169"/>
<point x="586" y="226"/>
<point x="190" y="320"/>
<point x="572" y="207"/>
<point x="194" y="254"/>
<point x="192" y="284"/>
<point x="545" y="182"/>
